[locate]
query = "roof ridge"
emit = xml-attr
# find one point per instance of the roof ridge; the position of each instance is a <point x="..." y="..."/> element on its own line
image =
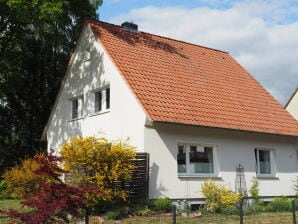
<point x="156" y="35"/>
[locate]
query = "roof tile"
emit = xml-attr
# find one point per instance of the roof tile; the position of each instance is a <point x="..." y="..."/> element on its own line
<point x="179" y="82"/>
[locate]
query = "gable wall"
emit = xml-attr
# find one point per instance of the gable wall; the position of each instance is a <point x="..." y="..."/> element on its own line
<point x="233" y="148"/>
<point x="292" y="107"/>
<point x="125" y="118"/>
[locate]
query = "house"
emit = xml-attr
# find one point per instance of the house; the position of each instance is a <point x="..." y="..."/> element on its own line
<point x="194" y="109"/>
<point x="292" y="105"/>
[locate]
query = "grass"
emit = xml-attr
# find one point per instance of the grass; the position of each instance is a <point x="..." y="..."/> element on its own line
<point x="261" y="218"/>
<point x="11" y="204"/>
<point x="164" y="218"/>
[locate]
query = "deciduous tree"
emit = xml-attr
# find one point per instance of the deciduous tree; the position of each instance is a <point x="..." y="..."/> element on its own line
<point x="36" y="40"/>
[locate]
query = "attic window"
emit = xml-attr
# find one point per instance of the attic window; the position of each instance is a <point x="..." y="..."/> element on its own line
<point x="87" y="54"/>
<point x="77" y="107"/>
<point x="102" y="100"/>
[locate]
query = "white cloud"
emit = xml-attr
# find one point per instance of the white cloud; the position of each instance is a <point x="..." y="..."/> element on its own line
<point x="254" y="32"/>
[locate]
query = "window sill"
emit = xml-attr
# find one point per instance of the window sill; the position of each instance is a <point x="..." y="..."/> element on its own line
<point x="100" y="112"/>
<point x="76" y="119"/>
<point x="268" y="177"/>
<point x="203" y="176"/>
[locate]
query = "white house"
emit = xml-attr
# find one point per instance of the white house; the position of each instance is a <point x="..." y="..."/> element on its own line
<point x="195" y="110"/>
<point x="292" y="105"/>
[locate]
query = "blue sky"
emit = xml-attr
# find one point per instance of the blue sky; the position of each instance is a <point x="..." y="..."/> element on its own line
<point x="262" y="35"/>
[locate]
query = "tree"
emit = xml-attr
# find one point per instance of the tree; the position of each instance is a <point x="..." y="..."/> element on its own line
<point x="36" y="40"/>
<point x="98" y="162"/>
<point x="51" y="199"/>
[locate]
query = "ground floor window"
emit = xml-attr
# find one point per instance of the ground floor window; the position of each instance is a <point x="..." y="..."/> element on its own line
<point x="194" y="159"/>
<point x="265" y="162"/>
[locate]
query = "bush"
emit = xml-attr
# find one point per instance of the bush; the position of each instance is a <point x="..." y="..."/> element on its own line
<point x="116" y="214"/>
<point x="281" y="204"/>
<point x="218" y="196"/>
<point x="3" y="190"/>
<point x="230" y="210"/>
<point x="255" y="192"/>
<point x="162" y="204"/>
<point x="142" y="211"/>
<point x="99" y="162"/>
<point x="22" y="179"/>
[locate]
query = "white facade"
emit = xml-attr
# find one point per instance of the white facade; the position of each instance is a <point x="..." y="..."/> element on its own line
<point x="127" y="119"/>
<point x="232" y="147"/>
<point x="292" y="105"/>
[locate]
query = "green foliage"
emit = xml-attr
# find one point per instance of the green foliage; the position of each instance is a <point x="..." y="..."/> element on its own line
<point x="162" y="204"/>
<point x="3" y="190"/>
<point x="99" y="162"/>
<point x="255" y="192"/>
<point x="230" y="210"/>
<point x="142" y="211"/>
<point x="116" y="214"/>
<point x="218" y="196"/>
<point x="37" y="38"/>
<point x="280" y="204"/>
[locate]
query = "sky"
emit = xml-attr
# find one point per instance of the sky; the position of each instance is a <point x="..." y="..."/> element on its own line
<point x="262" y="35"/>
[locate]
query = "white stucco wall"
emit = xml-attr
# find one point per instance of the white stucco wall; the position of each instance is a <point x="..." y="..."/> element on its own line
<point x="292" y="106"/>
<point x="125" y="119"/>
<point x="233" y="148"/>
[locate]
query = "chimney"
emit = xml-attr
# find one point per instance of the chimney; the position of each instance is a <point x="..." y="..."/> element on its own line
<point x="130" y="26"/>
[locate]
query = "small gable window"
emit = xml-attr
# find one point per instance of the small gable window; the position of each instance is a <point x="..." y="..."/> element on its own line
<point x="265" y="162"/>
<point x="77" y="107"/>
<point x="195" y="159"/>
<point x="102" y="100"/>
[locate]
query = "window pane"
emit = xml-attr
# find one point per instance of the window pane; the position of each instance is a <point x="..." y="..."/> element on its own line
<point x="181" y="159"/>
<point x="108" y="98"/>
<point x="98" y="99"/>
<point x="75" y="108"/>
<point x="201" y="159"/>
<point x="264" y="161"/>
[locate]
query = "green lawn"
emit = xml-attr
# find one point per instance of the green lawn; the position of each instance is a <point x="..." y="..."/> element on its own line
<point x="261" y="218"/>
<point x="13" y="204"/>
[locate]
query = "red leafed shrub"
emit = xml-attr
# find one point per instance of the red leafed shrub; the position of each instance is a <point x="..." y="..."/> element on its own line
<point x="53" y="201"/>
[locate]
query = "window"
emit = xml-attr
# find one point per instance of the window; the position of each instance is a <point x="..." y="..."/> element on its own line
<point x="265" y="162"/>
<point x="195" y="159"/>
<point x="102" y="100"/>
<point x="77" y="107"/>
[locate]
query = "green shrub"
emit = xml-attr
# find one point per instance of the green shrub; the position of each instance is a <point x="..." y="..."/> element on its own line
<point x="279" y="205"/>
<point x="117" y="214"/>
<point x="249" y="210"/>
<point x="162" y="204"/>
<point x="4" y="194"/>
<point x="230" y="210"/>
<point x="255" y="192"/>
<point x="143" y="211"/>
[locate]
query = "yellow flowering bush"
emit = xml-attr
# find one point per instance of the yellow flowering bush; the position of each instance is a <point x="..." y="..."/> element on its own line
<point x="218" y="196"/>
<point x="22" y="179"/>
<point x="98" y="162"/>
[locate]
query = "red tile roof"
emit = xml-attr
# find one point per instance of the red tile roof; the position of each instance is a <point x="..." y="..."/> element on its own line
<point x="183" y="83"/>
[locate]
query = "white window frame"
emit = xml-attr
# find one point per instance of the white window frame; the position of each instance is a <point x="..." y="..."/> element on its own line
<point x="188" y="172"/>
<point x="80" y="109"/>
<point x="104" y="107"/>
<point x="272" y="154"/>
